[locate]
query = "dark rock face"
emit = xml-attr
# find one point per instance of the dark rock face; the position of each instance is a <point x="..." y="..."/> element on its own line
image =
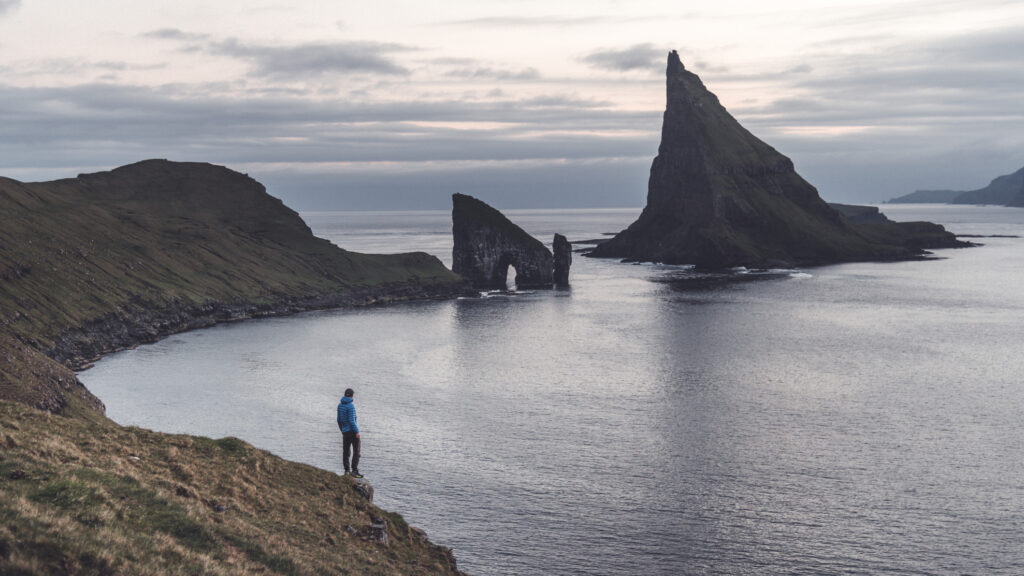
<point x="563" y="260"/>
<point x="487" y="243"/>
<point x="719" y="197"/>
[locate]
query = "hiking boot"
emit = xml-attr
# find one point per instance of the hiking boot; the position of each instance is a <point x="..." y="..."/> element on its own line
<point x="356" y="475"/>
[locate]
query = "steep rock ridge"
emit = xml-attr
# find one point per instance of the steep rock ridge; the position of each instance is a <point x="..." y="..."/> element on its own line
<point x="562" y="249"/>
<point x="109" y="260"/>
<point x="719" y="197"/>
<point x="487" y="243"/>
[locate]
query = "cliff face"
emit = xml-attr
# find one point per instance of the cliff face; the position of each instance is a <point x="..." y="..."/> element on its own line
<point x="113" y="259"/>
<point x="719" y="197"/>
<point x="487" y="243"/>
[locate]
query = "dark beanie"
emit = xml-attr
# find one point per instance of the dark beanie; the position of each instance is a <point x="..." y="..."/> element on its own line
<point x="349" y="392"/>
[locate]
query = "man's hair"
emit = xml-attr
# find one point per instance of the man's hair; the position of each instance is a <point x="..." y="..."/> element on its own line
<point x="349" y="392"/>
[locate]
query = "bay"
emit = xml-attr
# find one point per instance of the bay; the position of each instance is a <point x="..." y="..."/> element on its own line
<point x="859" y="418"/>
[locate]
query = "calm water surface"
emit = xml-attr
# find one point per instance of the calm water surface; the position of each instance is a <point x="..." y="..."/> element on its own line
<point x="860" y="418"/>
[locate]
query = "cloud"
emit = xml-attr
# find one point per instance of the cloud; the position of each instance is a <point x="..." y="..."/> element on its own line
<point x="644" y="57"/>
<point x="864" y="118"/>
<point x="473" y="69"/>
<point x="297" y="60"/>
<point x="105" y="125"/>
<point x="175" y="34"/>
<point x="488" y="73"/>
<point x="520" y="22"/>
<point x="315" y="58"/>
<point x="8" y="5"/>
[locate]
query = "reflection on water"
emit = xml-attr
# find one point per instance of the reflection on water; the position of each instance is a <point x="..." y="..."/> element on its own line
<point x="855" y="418"/>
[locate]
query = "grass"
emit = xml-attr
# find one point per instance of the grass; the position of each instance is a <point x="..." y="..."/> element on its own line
<point x="81" y="497"/>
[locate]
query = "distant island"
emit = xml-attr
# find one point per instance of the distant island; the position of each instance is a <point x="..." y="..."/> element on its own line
<point x="1006" y="190"/>
<point x="719" y="197"/>
<point x="110" y="260"/>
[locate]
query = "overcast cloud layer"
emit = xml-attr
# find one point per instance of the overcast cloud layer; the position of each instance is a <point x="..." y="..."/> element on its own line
<point x="512" y="103"/>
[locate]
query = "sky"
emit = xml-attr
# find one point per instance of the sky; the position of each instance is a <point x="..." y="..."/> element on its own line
<point x="384" y="105"/>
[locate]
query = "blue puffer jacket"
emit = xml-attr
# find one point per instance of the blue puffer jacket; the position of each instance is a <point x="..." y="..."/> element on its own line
<point x="347" y="415"/>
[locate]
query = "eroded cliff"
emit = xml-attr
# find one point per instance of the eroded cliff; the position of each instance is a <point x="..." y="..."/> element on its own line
<point x="486" y="243"/>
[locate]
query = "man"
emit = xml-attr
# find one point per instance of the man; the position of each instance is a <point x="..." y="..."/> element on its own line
<point x="349" y="433"/>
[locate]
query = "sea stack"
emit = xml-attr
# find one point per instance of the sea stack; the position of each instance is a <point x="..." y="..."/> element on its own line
<point x="486" y="243"/>
<point x="719" y="197"/>
<point x="562" y="249"/>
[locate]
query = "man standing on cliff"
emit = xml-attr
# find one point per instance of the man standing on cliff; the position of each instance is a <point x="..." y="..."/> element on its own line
<point x="349" y="433"/>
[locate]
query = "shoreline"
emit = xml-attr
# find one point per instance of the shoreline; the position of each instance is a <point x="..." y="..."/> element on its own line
<point x="129" y="327"/>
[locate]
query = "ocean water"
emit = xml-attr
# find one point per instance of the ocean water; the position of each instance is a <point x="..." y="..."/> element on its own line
<point x="857" y="418"/>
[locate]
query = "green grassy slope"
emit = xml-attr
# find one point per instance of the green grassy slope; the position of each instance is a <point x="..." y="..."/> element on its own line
<point x="82" y="496"/>
<point x="159" y="231"/>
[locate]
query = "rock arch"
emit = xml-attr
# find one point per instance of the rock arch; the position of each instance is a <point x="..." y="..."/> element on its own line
<point x="487" y="243"/>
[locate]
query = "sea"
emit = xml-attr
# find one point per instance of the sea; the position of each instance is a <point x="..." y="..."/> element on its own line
<point x="863" y="418"/>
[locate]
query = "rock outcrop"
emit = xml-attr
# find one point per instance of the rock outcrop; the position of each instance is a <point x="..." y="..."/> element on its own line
<point x="860" y="214"/>
<point x="487" y="243"/>
<point x="563" y="260"/>
<point x="719" y="197"/>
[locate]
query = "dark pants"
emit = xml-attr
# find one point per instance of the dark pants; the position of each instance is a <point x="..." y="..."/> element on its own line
<point x="351" y="444"/>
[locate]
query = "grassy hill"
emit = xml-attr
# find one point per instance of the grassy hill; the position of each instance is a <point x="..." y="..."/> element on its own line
<point x="105" y="261"/>
<point x="85" y="496"/>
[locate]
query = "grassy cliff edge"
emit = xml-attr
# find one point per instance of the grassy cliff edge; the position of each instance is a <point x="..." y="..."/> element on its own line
<point x="106" y="261"/>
